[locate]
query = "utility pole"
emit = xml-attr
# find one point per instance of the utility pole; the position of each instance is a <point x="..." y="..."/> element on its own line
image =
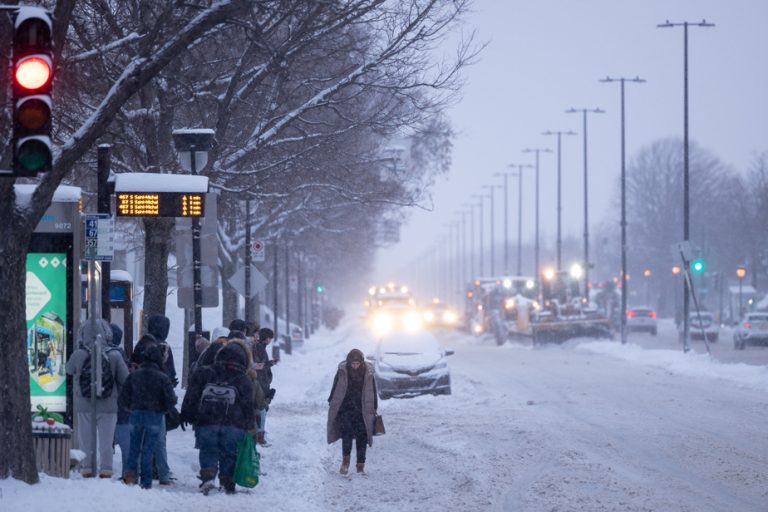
<point x="519" y="175"/>
<point x="622" y="81"/>
<point x="584" y="112"/>
<point x="559" y="134"/>
<point x="536" y="248"/>
<point x="480" y="196"/>
<point x="493" y="251"/>
<point x="686" y="189"/>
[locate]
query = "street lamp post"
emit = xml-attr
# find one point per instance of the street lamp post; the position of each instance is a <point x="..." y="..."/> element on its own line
<point x="193" y="146"/>
<point x="480" y="256"/>
<point x="519" y="174"/>
<point x="623" y="208"/>
<point x="471" y="244"/>
<point x="686" y="189"/>
<point x="536" y="244"/>
<point x="559" y="134"/>
<point x="491" y="188"/>
<point x="676" y="272"/>
<point x="506" y="176"/>
<point x="741" y="273"/>
<point x="584" y="112"/>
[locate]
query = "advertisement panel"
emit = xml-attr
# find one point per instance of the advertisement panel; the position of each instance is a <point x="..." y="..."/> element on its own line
<point x="46" y="309"/>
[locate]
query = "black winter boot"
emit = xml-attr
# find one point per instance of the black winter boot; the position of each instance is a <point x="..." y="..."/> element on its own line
<point x="227" y="483"/>
<point x="207" y="476"/>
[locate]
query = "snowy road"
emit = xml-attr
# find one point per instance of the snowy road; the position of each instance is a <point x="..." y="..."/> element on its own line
<point x="588" y="426"/>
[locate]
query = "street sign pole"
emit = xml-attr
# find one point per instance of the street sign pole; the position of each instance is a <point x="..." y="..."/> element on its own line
<point x="247" y="260"/>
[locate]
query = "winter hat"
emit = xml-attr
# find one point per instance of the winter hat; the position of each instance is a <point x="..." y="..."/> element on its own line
<point x="90" y="329"/>
<point x="158" y="326"/>
<point x="355" y="355"/>
<point x="201" y="344"/>
<point x="219" y="332"/>
<point x="265" y="333"/>
<point x="232" y="353"/>
<point x="153" y="354"/>
<point x="238" y="325"/>
<point x="117" y="335"/>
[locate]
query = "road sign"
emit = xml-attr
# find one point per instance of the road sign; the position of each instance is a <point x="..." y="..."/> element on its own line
<point x="257" y="255"/>
<point x="258" y="281"/>
<point x="99" y="237"/>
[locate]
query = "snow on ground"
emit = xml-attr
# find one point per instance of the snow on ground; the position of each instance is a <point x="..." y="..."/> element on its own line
<point x="587" y="426"/>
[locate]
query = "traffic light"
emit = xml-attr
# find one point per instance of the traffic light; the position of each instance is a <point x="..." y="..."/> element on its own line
<point x="320" y="288"/>
<point x="697" y="265"/>
<point x="32" y="68"/>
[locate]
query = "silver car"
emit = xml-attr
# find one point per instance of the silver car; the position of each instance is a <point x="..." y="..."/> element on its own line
<point x="411" y="363"/>
<point x="753" y="329"/>
<point x="642" y="319"/>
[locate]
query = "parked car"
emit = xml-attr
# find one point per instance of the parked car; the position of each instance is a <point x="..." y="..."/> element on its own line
<point x="752" y="329"/>
<point x="703" y="324"/>
<point x="642" y="319"/>
<point x="410" y="363"/>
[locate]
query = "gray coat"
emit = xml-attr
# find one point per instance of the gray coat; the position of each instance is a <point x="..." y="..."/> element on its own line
<point x="86" y="338"/>
<point x="333" y="430"/>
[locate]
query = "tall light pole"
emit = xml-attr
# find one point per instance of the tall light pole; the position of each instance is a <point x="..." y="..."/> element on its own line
<point x="491" y="188"/>
<point x="686" y="190"/>
<point x="741" y="273"/>
<point x="506" y="176"/>
<point x="536" y="244"/>
<point x="471" y="244"/>
<point x="559" y="134"/>
<point x="480" y="256"/>
<point x="584" y="112"/>
<point x="623" y="208"/>
<point x="519" y="174"/>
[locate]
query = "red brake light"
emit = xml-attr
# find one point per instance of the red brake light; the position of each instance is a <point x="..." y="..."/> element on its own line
<point x="652" y="314"/>
<point x="746" y="325"/>
<point x="630" y="314"/>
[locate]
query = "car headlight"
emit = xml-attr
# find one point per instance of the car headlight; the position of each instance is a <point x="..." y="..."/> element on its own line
<point x="449" y="317"/>
<point x="411" y="322"/>
<point x="429" y="316"/>
<point x="382" y="323"/>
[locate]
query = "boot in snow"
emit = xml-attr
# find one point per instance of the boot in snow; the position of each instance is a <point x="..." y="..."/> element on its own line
<point x="207" y="476"/>
<point x="360" y="468"/>
<point x="228" y="484"/>
<point x="344" y="469"/>
<point x="261" y="439"/>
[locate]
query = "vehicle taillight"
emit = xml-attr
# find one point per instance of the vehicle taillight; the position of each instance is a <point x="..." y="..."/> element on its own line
<point x="652" y="314"/>
<point x="746" y="325"/>
<point x="631" y="314"/>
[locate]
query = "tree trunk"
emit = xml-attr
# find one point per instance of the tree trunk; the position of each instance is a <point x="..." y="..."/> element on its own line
<point x="157" y="242"/>
<point x="17" y="455"/>
<point x="229" y="295"/>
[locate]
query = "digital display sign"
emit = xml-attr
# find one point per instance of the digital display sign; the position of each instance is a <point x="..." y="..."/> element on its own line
<point x="160" y="204"/>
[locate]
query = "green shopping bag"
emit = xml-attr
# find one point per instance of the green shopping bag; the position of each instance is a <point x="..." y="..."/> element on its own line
<point x="247" y="464"/>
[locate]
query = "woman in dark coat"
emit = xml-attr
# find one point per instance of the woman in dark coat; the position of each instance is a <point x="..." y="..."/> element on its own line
<point x="352" y="406"/>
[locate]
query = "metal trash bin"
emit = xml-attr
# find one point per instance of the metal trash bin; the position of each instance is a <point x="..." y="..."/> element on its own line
<point x="52" y="449"/>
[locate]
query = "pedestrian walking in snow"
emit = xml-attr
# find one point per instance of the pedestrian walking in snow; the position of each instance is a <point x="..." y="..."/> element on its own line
<point x="219" y="403"/>
<point x="148" y="394"/>
<point x="352" y="406"/>
<point x="103" y="407"/>
<point x="263" y="365"/>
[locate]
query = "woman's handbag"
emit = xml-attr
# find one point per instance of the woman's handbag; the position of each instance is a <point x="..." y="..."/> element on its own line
<point x="378" y="425"/>
<point x="247" y="464"/>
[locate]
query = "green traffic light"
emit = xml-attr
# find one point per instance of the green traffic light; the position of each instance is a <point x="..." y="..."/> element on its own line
<point x="697" y="266"/>
<point x="320" y="289"/>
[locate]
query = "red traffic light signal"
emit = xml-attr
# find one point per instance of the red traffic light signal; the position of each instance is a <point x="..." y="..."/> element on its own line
<point x="32" y="84"/>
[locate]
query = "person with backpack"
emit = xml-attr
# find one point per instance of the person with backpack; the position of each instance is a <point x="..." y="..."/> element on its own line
<point x="352" y="406"/>
<point x="103" y="407"/>
<point x="148" y="394"/>
<point x="219" y="404"/>
<point x="263" y="364"/>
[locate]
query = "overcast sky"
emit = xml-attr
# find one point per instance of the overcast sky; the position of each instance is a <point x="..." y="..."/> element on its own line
<point x="546" y="56"/>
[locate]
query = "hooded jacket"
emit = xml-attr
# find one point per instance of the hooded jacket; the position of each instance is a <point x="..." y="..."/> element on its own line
<point x="86" y="338"/>
<point x="229" y="367"/>
<point x="159" y="326"/>
<point x="336" y="399"/>
<point x="148" y="388"/>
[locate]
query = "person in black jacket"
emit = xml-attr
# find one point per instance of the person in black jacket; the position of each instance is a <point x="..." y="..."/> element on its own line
<point x="148" y="394"/>
<point x="219" y="403"/>
<point x="263" y="365"/>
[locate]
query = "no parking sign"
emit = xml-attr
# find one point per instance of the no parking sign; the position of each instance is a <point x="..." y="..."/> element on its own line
<point x="258" y="251"/>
